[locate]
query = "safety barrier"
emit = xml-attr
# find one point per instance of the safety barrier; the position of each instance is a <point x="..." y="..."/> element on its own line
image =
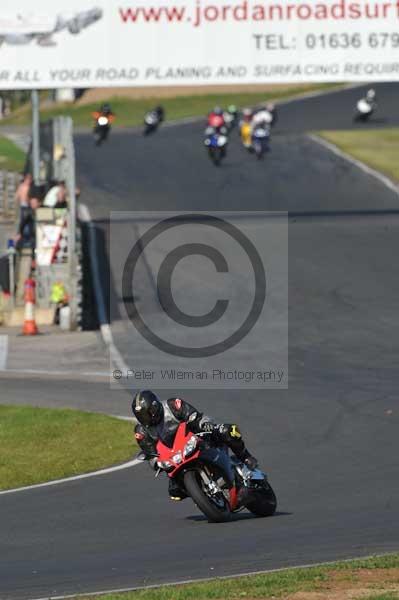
<point x="57" y="244"/>
<point x="8" y="186"/>
<point x="29" y="326"/>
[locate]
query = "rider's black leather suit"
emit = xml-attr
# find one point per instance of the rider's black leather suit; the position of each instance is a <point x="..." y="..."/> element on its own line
<point x="175" y="411"/>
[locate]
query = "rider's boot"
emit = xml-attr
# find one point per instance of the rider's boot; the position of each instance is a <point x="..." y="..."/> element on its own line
<point x="175" y="491"/>
<point x="249" y="460"/>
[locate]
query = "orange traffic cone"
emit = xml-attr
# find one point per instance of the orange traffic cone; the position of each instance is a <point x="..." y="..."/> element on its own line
<point x="30" y="327"/>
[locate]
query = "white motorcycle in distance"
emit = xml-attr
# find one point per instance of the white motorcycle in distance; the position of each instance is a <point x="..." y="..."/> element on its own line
<point x="152" y="120"/>
<point x="262" y="116"/>
<point x="260" y="127"/>
<point x="102" y="128"/>
<point x="365" y="107"/>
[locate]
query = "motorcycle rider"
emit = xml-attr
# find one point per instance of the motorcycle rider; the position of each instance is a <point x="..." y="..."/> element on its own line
<point x="161" y="418"/>
<point x="261" y="117"/>
<point x="246" y="115"/>
<point x="366" y="106"/>
<point x="371" y="98"/>
<point x="216" y="119"/>
<point x="271" y="108"/>
<point x="158" y="112"/>
<point x="230" y="116"/>
<point x="104" y="111"/>
<point x="245" y="127"/>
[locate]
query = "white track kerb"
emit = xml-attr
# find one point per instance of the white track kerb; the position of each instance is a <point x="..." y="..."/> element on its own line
<point x="127" y="465"/>
<point x="210" y="579"/>
<point x="105" y="328"/>
<point x="360" y="165"/>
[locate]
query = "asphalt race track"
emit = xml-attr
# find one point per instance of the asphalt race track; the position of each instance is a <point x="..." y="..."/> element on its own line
<point x="330" y="442"/>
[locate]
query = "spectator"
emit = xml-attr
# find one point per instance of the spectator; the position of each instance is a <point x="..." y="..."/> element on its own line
<point x="59" y="298"/>
<point x="23" y="191"/>
<point x="26" y="236"/>
<point x="62" y="196"/>
<point x="56" y="196"/>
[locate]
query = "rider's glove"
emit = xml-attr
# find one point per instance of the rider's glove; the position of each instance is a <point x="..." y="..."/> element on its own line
<point x="250" y="461"/>
<point x="154" y="463"/>
<point x="208" y="427"/>
<point x="214" y="428"/>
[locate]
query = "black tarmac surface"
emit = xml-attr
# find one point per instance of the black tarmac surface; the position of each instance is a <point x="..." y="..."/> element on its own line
<point x="330" y="442"/>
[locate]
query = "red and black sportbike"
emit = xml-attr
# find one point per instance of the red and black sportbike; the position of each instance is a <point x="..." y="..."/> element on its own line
<point x="219" y="484"/>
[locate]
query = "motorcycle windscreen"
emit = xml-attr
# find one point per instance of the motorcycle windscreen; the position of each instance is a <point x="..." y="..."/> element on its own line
<point x="167" y="433"/>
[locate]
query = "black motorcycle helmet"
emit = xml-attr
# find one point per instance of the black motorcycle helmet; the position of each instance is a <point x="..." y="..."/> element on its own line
<point x="106" y="108"/>
<point x="147" y="408"/>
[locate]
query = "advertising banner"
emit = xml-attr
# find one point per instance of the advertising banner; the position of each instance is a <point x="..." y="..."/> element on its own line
<point x="97" y="43"/>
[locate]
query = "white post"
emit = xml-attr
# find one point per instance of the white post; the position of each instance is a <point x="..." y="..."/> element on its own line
<point x="72" y="259"/>
<point x="11" y="271"/>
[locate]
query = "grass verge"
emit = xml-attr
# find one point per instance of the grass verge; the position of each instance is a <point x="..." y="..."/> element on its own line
<point x="378" y="148"/>
<point x="39" y="444"/>
<point x="130" y="112"/>
<point x="12" y="158"/>
<point x="370" y="578"/>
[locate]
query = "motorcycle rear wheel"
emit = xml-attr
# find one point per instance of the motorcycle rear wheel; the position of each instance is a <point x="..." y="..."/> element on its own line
<point x="214" y="513"/>
<point x="263" y="502"/>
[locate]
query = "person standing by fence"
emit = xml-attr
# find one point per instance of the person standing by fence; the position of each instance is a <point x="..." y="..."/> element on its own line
<point x="23" y="192"/>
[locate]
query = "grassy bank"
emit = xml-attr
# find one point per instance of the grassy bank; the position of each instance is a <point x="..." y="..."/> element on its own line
<point x="130" y="112"/>
<point x="370" y="579"/>
<point x="12" y="158"/>
<point x="38" y="444"/>
<point x="378" y="148"/>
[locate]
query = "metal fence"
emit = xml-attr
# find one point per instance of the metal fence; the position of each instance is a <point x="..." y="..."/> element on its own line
<point x="58" y="156"/>
<point x="8" y="186"/>
<point x="57" y="163"/>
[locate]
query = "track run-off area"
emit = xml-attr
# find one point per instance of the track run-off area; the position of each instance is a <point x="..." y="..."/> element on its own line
<point x="329" y="442"/>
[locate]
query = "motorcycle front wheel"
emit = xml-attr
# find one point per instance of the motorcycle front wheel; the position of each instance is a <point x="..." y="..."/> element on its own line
<point x="263" y="501"/>
<point x="217" y="509"/>
<point x="259" y="154"/>
<point x="361" y="118"/>
<point x="215" y="156"/>
<point x="148" y="129"/>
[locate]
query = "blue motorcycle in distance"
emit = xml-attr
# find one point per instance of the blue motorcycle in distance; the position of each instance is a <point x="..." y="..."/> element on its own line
<point x="216" y="143"/>
<point x="260" y="140"/>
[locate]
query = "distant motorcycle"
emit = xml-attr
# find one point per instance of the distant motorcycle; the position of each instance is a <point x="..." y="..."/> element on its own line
<point x="246" y="135"/>
<point x="364" y="110"/>
<point x="263" y="116"/>
<point x="153" y="119"/>
<point x="260" y="140"/>
<point x="101" y="129"/>
<point x="216" y="143"/>
<point x="272" y="110"/>
<point x="230" y="117"/>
